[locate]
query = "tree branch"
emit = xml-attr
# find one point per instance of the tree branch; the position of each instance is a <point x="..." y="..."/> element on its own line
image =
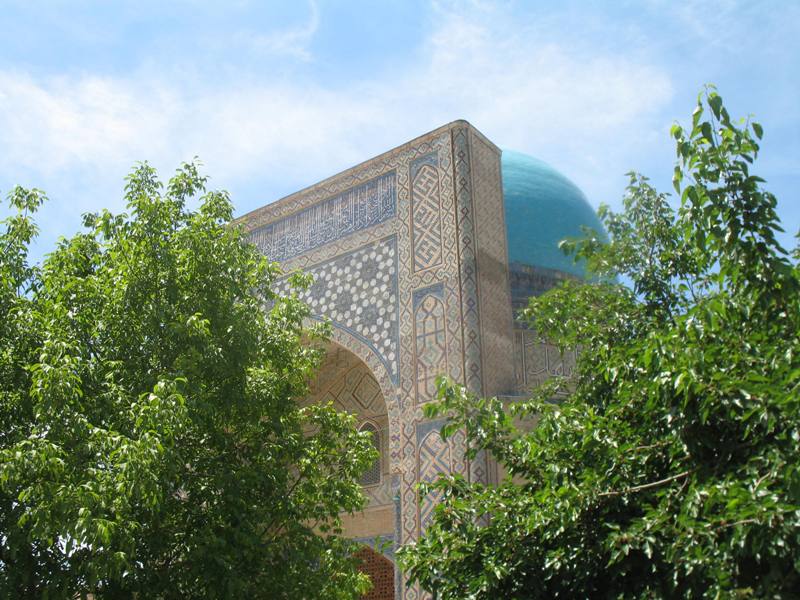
<point x="647" y="486"/>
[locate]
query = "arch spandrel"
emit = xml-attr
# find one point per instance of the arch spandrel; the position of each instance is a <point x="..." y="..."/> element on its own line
<point x="358" y="291"/>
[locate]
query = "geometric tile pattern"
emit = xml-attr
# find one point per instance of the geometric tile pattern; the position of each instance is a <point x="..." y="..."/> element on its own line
<point x="358" y="292"/>
<point x="347" y="382"/>
<point x="429" y="333"/>
<point x="355" y="209"/>
<point x="367" y="393"/>
<point x="496" y="320"/>
<point x="426" y="214"/>
<point x="333" y="372"/>
<point x="470" y="315"/>
<point x="434" y="459"/>
<point x="493" y="290"/>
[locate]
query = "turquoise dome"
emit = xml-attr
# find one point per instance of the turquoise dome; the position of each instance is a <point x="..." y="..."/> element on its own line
<point x="542" y="208"/>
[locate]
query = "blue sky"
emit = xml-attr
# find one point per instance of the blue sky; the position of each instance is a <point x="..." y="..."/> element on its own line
<point x="276" y="96"/>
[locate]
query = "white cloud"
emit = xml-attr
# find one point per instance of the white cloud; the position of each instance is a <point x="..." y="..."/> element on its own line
<point x="61" y="123"/>
<point x="293" y="42"/>
<point x="523" y="84"/>
<point x="522" y="89"/>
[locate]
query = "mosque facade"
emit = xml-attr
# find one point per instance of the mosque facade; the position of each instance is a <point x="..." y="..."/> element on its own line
<point x="420" y="258"/>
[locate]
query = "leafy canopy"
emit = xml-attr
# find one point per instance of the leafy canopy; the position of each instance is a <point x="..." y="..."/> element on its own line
<point x="671" y="470"/>
<point x="150" y="442"/>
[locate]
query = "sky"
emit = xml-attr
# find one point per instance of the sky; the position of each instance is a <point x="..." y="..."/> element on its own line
<point x="275" y="96"/>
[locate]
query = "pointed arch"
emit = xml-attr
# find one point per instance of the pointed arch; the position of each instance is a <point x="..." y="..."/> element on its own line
<point x="390" y="391"/>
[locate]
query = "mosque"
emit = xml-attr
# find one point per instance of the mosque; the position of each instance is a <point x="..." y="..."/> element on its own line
<point x="420" y="258"/>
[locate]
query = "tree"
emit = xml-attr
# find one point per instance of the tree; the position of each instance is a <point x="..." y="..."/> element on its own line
<point x="150" y="442"/>
<point x="671" y="470"/>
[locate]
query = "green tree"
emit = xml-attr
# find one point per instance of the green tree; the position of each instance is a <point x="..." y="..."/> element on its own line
<point x="671" y="469"/>
<point x="150" y="442"/>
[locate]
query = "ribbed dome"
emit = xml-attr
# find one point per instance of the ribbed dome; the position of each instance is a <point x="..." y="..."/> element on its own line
<point x="542" y="208"/>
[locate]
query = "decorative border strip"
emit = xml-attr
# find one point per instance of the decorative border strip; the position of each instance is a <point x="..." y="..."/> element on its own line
<point x="468" y="264"/>
<point x="362" y="206"/>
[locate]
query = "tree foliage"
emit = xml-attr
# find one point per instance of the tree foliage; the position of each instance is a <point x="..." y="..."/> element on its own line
<point x="671" y="469"/>
<point x="150" y="442"/>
